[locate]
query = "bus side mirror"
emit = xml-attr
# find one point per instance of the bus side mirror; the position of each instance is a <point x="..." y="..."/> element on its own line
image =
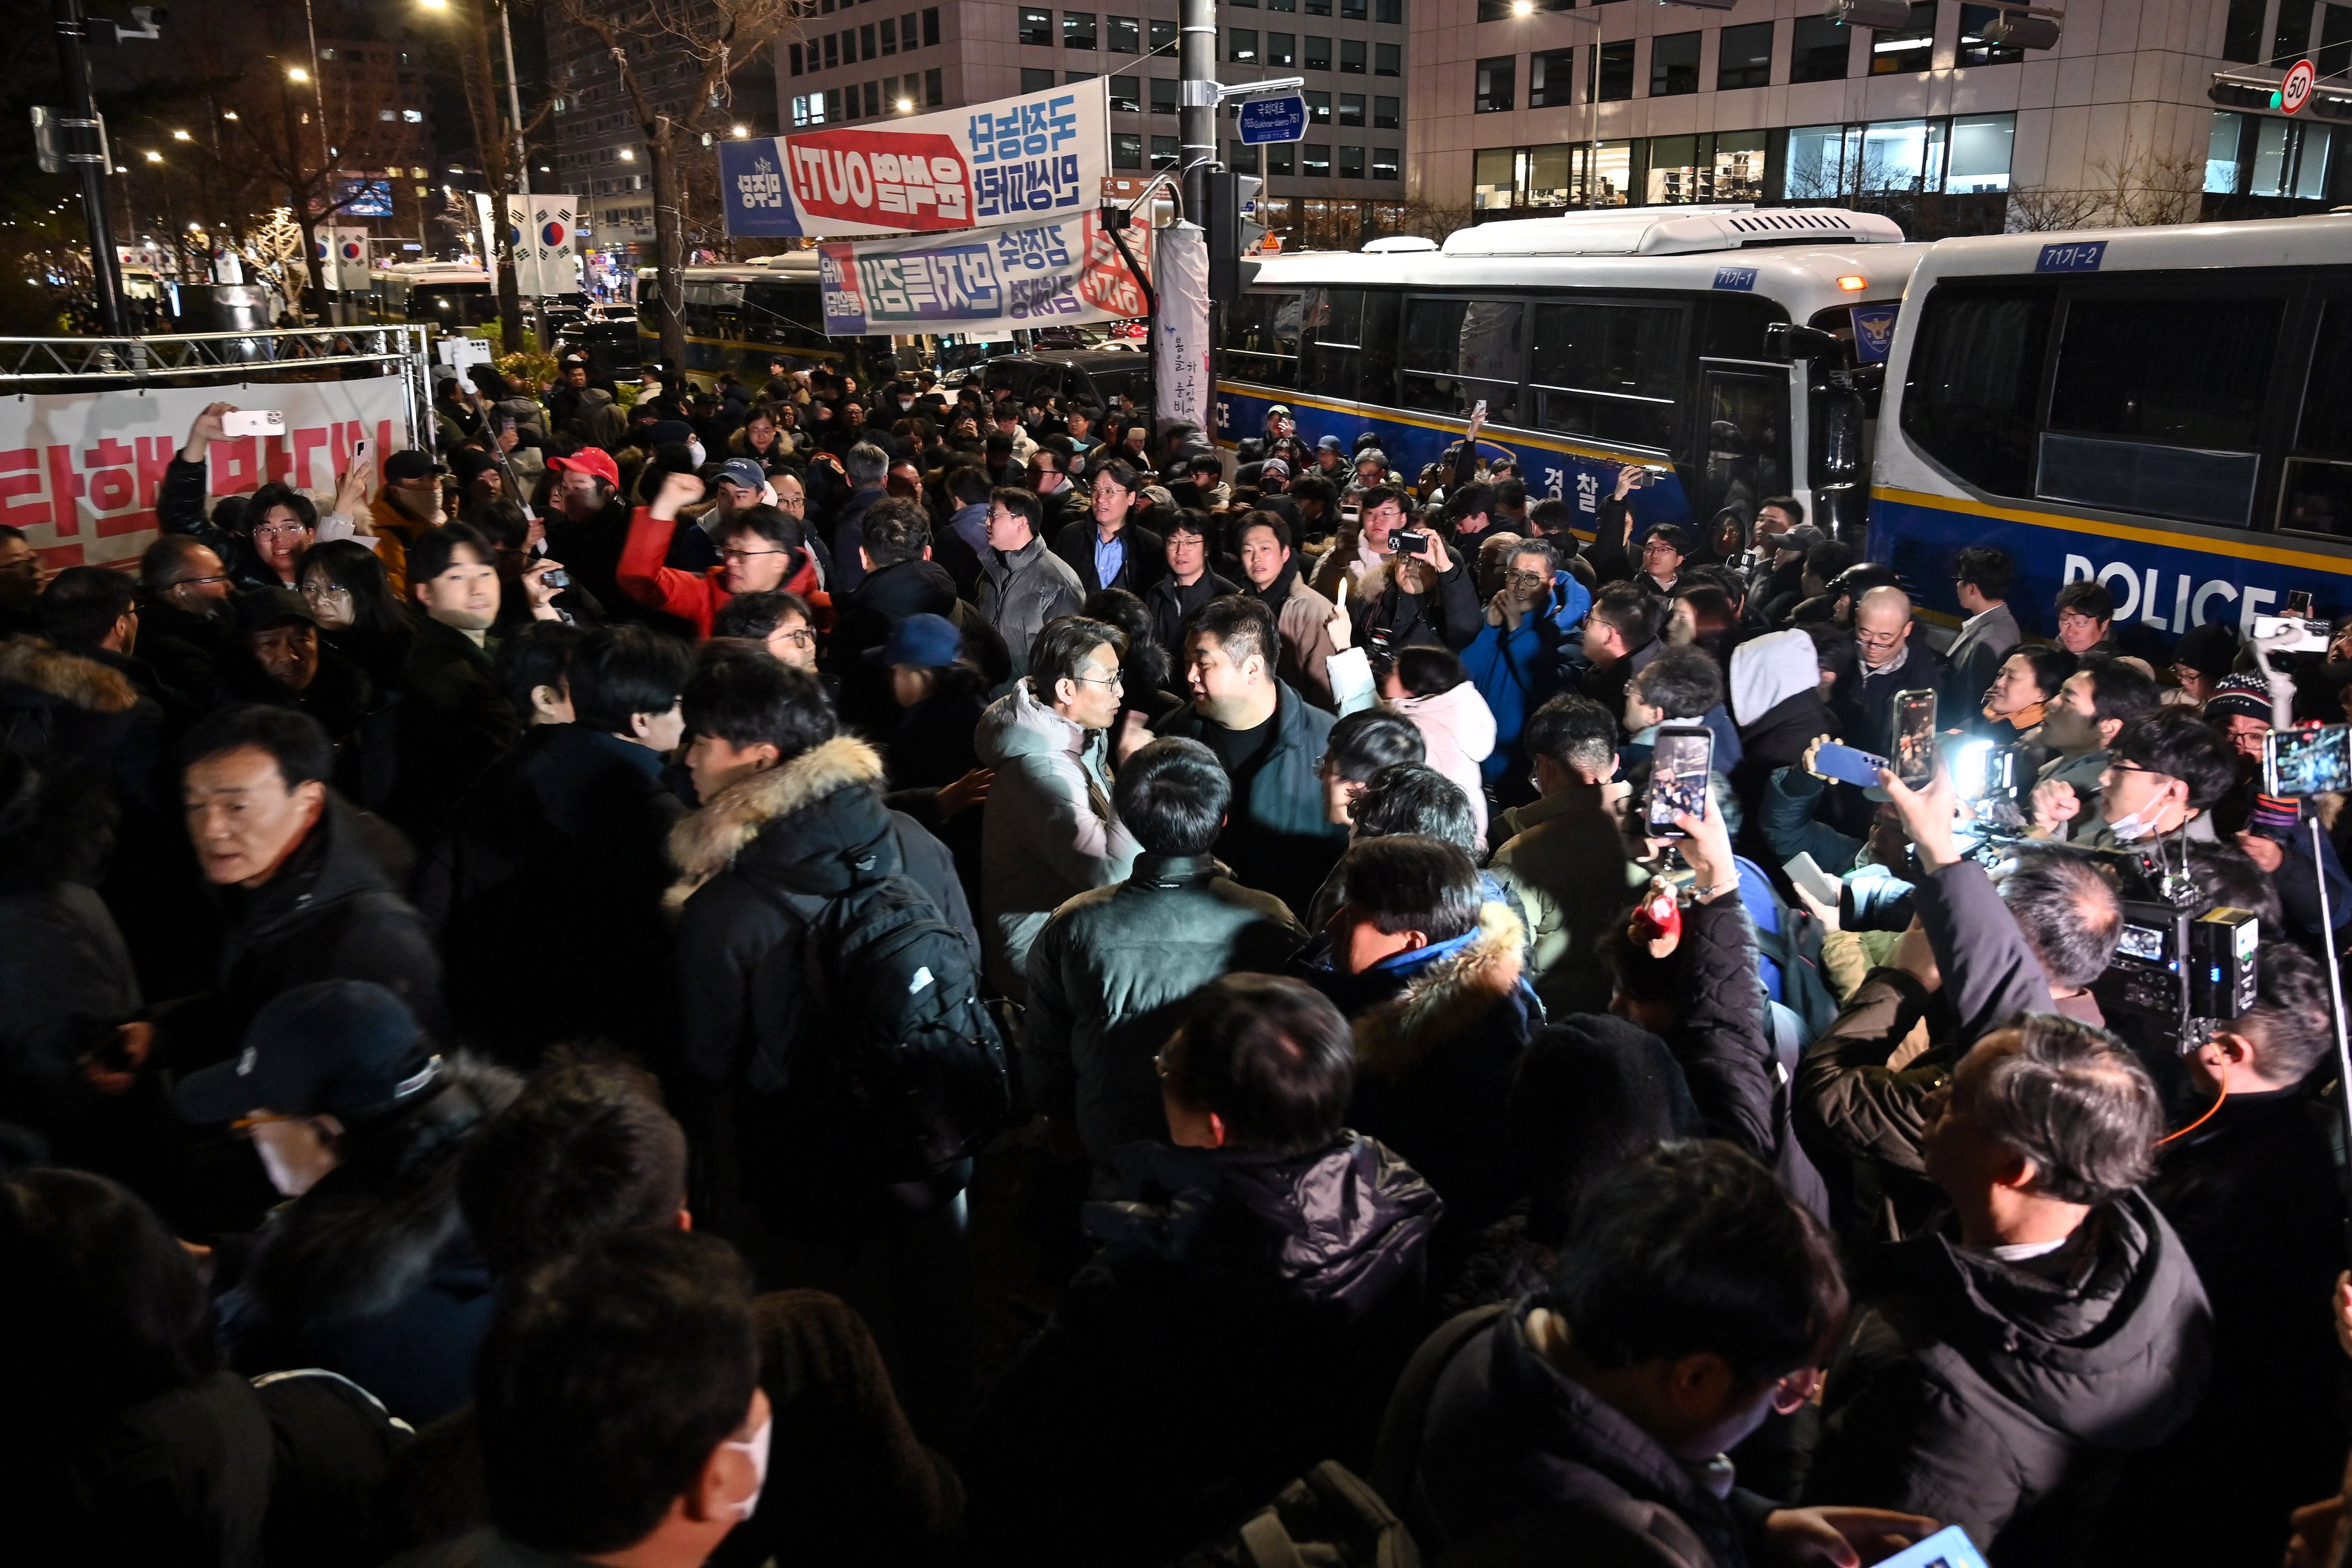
<point x="1787" y="342"/>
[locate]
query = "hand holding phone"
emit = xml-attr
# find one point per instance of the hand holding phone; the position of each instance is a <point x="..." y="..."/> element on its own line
<point x="1914" y="737"/>
<point x="1680" y="761"/>
<point x="253" y="422"/>
<point x="1849" y="764"/>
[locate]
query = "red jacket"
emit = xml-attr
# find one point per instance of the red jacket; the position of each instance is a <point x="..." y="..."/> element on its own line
<point x="691" y="596"/>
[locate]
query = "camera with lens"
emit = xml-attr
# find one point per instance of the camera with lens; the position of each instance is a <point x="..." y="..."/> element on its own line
<point x="2176" y="974"/>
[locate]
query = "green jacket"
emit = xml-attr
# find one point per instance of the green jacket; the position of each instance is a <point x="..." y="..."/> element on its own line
<point x="1108" y="977"/>
<point x="1566" y="863"/>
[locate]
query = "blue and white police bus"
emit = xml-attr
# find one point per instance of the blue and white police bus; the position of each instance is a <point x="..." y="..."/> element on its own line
<point x="1597" y="339"/>
<point x="2167" y="410"/>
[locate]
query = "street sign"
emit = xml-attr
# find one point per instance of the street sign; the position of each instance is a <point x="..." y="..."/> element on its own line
<point x="2294" y="92"/>
<point x="1273" y="119"/>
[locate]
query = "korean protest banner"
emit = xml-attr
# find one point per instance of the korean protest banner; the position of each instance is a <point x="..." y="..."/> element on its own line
<point x="80" y="470"/>
<point x="1182" y="361"/>
<point x="1016" y="160"/>
<point x="991" y="281"/>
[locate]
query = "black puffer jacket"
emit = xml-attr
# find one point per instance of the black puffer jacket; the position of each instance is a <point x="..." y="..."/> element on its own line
<point x="329" y="913"/>
<point x="2002" y="1398"/>
<point x="371" y="1273"/>
<point x="1726" y="1053"/>
<point x="814" y="827"/>
<point x="1243" y="1321"/>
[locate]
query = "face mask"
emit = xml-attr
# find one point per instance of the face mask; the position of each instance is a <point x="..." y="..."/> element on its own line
<point x="906" y="404"/>
<point x="2132" y="828"/>
<point x="756" y="1449"/>
<point x="694" y="451"/>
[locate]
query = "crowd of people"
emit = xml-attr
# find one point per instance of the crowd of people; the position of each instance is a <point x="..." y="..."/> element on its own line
<point x="922" y="976"/>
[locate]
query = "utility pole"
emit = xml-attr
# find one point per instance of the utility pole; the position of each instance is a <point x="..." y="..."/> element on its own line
<point x="1198" y="98"/>
<point x="86" y="150"/>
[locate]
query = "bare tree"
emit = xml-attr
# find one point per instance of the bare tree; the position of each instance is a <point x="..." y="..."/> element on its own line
<point x="701" y="43"/>
<point x="471" y="38"/>
<point x="2143" y="187"/>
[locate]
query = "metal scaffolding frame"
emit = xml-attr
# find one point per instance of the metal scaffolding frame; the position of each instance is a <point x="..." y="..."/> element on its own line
<point x="190" y="359"/>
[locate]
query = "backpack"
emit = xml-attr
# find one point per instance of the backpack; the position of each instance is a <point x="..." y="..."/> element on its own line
<point x="914" y="1051"/>
<point x="1795" y="948"/>
<point x="1327" y="1518"/>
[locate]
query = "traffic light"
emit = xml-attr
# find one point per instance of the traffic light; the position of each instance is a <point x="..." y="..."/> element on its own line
<point x="1230" y="231"/>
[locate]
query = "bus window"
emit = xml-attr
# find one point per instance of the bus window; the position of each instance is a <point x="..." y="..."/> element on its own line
<point x="1335" y="317"/>
<point x="1459" y="351"/>
<point x="1745" y="439"/>
<point x="1133" y="381"/>
<point x="2156" y="405"/>
<point x="1262" y="337"/>
<point x="1735" y="326"/>
<point x="788" y="315"/>
<point x="1975" y="382"/>
<point x="2316" y="497"/>
<point x="1607" y="371"/>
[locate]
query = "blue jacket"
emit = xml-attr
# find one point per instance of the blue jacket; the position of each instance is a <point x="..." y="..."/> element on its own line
<point x="1516" y="671"/>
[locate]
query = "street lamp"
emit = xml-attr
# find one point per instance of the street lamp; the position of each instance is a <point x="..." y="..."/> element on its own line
<point x="154" y="157"/>
<point x="742" y="130"/>
<point x="182" y="136"/>
<point x="295" y="73"/>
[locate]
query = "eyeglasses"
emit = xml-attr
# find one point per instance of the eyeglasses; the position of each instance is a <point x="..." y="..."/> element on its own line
<point x="2074" y="618"/>
<point x="1526" y="579"/>
<point x="747" y="554"/>
<point x="801" y="638"/>
<point x="1115" y="680"/>
<point x="272" y="530"/>
<point x="199" y="582"/>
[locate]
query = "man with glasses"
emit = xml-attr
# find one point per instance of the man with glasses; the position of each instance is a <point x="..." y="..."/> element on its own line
<point x="1663" y="551"/>
<point x="2086" y="614"/>
<point x="1051" y="830"/>
<point x="761" y="549"/>
<point x="2091" y="709"/>
<point x="184" y="616"/>
<point x="1890" y="662"/>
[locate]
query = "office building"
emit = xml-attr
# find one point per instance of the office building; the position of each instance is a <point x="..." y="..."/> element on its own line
<point x="855" y="64"/>
<point x="1533" y="106"/>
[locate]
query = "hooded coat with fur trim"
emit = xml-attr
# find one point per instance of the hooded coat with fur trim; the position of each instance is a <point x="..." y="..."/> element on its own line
<point x="371" y="1273"/>
<point x="811" y="828"/>
<point x="1438" y="1036"/>
<point x="58" y="704"/>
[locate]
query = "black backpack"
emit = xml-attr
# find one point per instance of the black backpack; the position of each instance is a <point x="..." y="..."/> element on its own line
<point x="914" y="1051"/>
<point x="1327" y="1518"/>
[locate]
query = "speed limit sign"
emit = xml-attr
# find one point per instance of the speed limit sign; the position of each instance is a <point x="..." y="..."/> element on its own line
<point x="2296" y="90"/>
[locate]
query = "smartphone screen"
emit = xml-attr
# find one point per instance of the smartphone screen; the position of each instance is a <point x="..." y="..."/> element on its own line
<point x="2307" y="761"/>
<point x="1679" y="766"/>
<point x="1915" y="738"/>
<point x="2298" y="603"/>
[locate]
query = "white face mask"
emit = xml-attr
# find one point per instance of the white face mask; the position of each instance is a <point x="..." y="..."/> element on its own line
<point x="2133" y="826"/>
<point x="756" y="1449"/>
<point x="694" y="451"/>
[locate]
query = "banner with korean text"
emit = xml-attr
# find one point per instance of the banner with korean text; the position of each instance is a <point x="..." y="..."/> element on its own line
<point x="1016" y="160"/>
<point x="79" y="470"/>
<point x="990" y="282"/>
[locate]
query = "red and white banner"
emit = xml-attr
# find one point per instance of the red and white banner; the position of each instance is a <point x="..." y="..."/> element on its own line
<point x="1033" y="159"/>
<point x="79" y="470"/>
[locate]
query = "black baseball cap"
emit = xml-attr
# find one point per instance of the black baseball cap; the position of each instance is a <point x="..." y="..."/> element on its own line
<point x="345" y="1048"/>
<point x="257" y="608"/>
<point x="410" y="463"/>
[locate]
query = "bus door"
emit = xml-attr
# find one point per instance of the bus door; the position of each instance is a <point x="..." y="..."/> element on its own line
<point x="1741" y="444"/>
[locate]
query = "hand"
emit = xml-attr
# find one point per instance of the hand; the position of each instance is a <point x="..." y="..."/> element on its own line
<point x="1915" y="956"/>
<point x="508" y="440"/>
<point x="137" y="1041"/>
<point x="2316" y="1526"/>
<point x="1498" y="609"/>
<point x="2267" y="853"/>
<point x="351" y="492"/>
<point x="1812" y="750"/>
<point x="964" y="793"/>
<point x="1707" y="847"/>
<point x="2343" y="1305"/>
<point x="1342" y="628"/>
<point x="2055" y="804"/>
<point x="1629" y="479"/>
<point x="1134" y="734"/>
<point x="677" y="491"/>
<point x="1825" y="913"/>
<point x="207" y="429"/>
<point x="1926" y="815"/>
<point x="537" y="590"/>
<point x="1433" y="550"/>
<point x="1846" y="1537"/>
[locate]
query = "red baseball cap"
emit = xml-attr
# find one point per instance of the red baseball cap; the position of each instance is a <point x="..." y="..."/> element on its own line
<point x="590" y="460"/>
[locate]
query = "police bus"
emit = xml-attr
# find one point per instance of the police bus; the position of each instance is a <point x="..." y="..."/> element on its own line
<point x="2167" y="410"/>
<point x="1597" y="339"/>
<point x="450" y="295"/>
<point x="741" y="317"/>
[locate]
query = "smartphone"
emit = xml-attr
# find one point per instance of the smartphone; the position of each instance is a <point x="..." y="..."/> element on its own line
<point x="1947" y="1548"/>
<point x="1405" y="541"/>
<point x="2298" y="604"/>
<point x="1807" y="873"/>
<point x="253" y="422"/>
<point x="1848" y="764"/>
<point x="1679" y="766"/>
<point x="359" y="449"/>
<point x="2307" y="761"/>
<point x="559" y="578"/>
<point x="507" y="426"/>
<point x="2309" y="637"/>
<point x="1915" y="738"/>
<point x="1478" y="412"/>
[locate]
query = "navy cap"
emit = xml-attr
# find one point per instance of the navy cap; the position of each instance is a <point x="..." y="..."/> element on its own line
<point x="346" y="1049"/>
<point x="668" y="430"/>
<point x="744" y="474"/>
<point x="260" y="607"/>
<point x="925" y="642"/>
<point x="1330" y="444"/>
